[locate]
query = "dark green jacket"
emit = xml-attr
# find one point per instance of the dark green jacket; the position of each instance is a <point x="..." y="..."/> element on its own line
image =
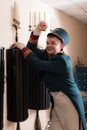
<point x="57" y="75"/>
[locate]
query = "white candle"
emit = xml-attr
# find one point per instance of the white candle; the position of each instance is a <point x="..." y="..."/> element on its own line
<point x="30" y="18"/>
<point x="44" y="16"/>
<point x="39" y="16"/>
<point x="51" y="23"/>
<point x="16" y="12"/>
<point x="34" y="18"/>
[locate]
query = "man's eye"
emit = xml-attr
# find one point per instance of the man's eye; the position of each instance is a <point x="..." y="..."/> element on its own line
<point x="47" y="43"/>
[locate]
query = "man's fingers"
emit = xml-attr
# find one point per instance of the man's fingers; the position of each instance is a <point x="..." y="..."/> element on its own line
<point x="13" y="46"/>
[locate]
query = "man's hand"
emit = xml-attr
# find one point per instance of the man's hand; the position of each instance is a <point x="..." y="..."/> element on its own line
<point x="18" y="45"/>
<point x="42" y="26"/>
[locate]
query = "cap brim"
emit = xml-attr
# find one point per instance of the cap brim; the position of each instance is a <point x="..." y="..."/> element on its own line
<point x="55" y="35"/>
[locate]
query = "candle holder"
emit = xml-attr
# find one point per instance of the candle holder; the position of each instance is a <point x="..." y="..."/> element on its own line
<point x="16" y="26"/>
<point x="51" y="30"/>
<point x="34" y="18"/>
<point x="30" y="28"/>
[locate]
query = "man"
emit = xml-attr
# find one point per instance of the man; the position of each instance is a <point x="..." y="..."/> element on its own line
<point x="56" y="68"/>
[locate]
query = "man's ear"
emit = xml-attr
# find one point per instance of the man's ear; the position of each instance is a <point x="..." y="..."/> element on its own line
<point x="61" y="45"/>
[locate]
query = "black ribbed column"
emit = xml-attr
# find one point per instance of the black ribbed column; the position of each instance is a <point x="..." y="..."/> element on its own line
<point x="24" y="89"/>
<point x="17" y="90"/>
<point x="39" y="98"/>
<point x="1" y="86"/>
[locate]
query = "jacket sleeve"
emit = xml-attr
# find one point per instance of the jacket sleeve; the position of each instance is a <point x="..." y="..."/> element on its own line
<point x="33" y="45"/>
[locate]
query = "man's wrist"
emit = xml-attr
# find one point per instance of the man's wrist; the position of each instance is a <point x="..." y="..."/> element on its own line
<point x="36" y="32"/>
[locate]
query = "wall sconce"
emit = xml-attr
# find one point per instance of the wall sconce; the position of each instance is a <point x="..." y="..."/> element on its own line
<point x="34" y="18"/>
<point x="16" y="21"/>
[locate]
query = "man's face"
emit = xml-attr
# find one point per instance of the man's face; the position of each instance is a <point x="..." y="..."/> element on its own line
<point x="53" y="45"/>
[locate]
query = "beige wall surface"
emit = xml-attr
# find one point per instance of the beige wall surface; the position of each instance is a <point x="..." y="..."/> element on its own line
<point x="78" y="40"/>
<point x="77" y="46"/>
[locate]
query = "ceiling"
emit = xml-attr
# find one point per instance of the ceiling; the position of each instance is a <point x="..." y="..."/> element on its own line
<point x="73" y="8"/>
